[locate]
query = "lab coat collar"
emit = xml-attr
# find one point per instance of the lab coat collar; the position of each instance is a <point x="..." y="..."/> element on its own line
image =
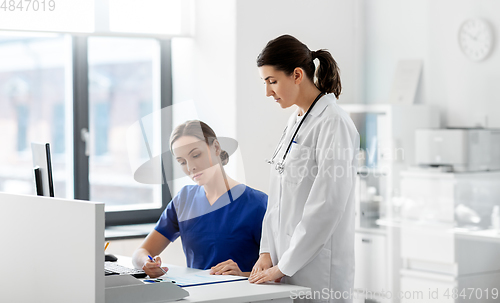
<point x="320" y="106"/>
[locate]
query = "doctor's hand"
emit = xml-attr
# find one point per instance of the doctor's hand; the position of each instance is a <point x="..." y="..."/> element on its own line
<point x="228" y="267"/>
<point x="271" y="274"/>
<point x="262" y="264"/>
<point x="153" y="268"/>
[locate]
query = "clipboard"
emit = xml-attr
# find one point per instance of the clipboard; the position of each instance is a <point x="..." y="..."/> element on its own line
<point x="199" y="278"/>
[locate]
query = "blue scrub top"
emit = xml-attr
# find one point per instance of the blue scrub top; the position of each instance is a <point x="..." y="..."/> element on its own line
<point x="229" y="229"/>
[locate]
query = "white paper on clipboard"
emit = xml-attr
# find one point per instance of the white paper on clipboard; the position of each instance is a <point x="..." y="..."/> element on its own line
<point x="198" y="278"/>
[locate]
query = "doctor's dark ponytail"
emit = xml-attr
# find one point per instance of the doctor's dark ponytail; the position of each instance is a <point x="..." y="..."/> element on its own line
<point x="286" y="53"/>
<point x="327" y="73"/>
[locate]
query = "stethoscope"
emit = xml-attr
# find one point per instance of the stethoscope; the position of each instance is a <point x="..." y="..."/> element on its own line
<point x="280" y="166"/>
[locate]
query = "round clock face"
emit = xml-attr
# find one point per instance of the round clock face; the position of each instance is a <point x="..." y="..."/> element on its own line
<point x="475" y="39"/>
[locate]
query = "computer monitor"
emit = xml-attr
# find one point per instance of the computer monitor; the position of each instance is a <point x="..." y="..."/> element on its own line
<point x="42" y="169"/>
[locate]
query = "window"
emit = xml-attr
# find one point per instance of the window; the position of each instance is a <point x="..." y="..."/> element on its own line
<point x="32" y="107"/>
<point x="22" y="112"/>
<point x="55" y="87"/>
<point x="122" y="77"/>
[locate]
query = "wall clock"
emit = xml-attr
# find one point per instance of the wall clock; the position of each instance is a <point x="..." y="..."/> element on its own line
<point x="475" y="38"/>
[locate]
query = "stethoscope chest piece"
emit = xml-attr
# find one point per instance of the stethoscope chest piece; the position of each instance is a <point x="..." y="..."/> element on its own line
<point x="280" y="167"/>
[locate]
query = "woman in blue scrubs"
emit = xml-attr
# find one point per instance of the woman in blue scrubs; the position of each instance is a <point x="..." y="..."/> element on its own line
<point x="219" y="220"/>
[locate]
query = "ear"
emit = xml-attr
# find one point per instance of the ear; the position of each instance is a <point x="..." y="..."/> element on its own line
<point x="298" y="75"/>
<point x="217" y="148"/>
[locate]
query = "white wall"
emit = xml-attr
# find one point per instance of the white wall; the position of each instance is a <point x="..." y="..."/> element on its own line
<point x="366" y="37"/>
<point x="223" y="79"/>
<point x="204" y="73"/>
<point x="465" y="91"/>
<point x="212" y="84"/>
<point x="324" y="24"/>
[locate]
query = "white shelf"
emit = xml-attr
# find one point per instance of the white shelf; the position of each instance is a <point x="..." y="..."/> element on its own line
<point x="377" y="231"/>
<point x="395" y="152"/>
<point x="373" y="171"/>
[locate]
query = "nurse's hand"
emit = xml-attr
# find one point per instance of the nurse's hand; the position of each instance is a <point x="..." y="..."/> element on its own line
<point x="271" y="274"/>
<point x="262" y="264"/>
<point x="153" y="268"/>
<point x="228" y="267"/>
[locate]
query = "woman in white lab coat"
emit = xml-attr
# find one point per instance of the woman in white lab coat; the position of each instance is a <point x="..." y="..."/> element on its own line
<point x="308" y="229"/>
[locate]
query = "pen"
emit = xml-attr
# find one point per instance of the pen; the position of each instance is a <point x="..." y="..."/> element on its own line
<point x="290" y="150"/>
<point x="106" y="247"/>
<point x="158" y="266"/>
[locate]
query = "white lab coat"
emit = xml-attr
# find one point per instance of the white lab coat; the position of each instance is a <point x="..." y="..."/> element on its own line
<point x="308" y="228"/>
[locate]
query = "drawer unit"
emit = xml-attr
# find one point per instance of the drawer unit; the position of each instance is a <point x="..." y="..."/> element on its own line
<point x="371" y="262"/>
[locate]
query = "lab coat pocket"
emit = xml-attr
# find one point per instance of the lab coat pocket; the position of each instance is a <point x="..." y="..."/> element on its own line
<point x="297" y="163"/>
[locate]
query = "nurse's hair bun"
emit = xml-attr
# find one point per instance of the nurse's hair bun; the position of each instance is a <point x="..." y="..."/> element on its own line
<point x="200" y="130"/>
<point x="224" y="157"/>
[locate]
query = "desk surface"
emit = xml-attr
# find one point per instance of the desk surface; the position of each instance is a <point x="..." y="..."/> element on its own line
<point x="240" y="291"/>
<point x="233" y="292"/>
